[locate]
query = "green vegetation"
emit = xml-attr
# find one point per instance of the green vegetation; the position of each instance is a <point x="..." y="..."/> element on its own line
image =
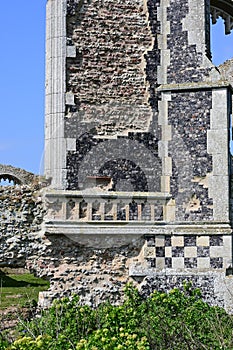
<point x="178" y="320"/>
<point x="19" y="289"/>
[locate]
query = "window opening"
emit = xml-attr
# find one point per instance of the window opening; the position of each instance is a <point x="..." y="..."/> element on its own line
<point x="221" y="44"/>
<point x="9" y="180"/>
<point x="6" y="183"/>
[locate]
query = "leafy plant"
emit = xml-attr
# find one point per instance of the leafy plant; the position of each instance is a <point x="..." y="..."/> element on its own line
<point x="27" y="343"/>
<point x="178" y="320"/>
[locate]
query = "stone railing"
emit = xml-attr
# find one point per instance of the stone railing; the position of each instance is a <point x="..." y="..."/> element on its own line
<point x="102" y="206"/>
<point x="105" y="219"/>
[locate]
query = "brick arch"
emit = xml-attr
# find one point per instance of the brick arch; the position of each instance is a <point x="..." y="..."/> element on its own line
<point x="17" y="175"/>
<point x="224" y="9"/>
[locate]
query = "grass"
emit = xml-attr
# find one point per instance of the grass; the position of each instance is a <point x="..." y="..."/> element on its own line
<point x="20" y="289"/>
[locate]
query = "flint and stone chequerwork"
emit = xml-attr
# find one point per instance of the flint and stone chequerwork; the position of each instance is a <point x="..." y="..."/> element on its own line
<point x="137" y="137"/>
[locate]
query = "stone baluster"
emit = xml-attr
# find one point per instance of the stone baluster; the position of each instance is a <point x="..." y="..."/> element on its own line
<point x="139" y="211"/>
<point x="152" y="212"/>
<point x="89" y="211"/>
<point x="63" y="212"/>
<point x="76" y="211"/>
<point x="114" y="210"/>
<point x="102" y="210"/>
<point x="127" y="212"/>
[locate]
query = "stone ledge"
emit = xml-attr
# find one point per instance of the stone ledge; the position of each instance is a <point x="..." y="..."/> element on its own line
<point x="110" y="194"/>
<point x="195" y="86"/>
<point x="135" y="271"/>
<point x="119" y="233"/>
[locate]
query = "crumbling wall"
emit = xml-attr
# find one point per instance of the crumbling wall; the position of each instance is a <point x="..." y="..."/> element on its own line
<point x="97" y="275"/>
<point x="108" y="75"/>
<point x="17" y="175"/>
<point x="111" y="77"/>
<point x="226" y="70"/>
<point x="21" y="216"/>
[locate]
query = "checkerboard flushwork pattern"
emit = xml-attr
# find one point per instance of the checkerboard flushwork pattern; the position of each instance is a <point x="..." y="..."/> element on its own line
<point x="181" y="252"/>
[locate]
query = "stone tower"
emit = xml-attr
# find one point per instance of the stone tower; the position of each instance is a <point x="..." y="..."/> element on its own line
<point x="137" y="136"/>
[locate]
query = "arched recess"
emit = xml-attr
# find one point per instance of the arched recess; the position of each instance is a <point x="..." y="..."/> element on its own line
<point x="127" y="171"/>
<point x="224" y="9"/>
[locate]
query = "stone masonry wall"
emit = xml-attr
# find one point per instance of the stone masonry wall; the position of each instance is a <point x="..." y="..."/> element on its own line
<point x="111" y="122"/>
<point x="97" y="275"/>
<point x="132" y="162"/>
<point x="226" y="70"/>
<point x="110" y="88"/>
<point x="108" y="75"/>
<point x="185" y="61"/>
<point x="17" y="175"/>
<point x="189" y="117"/>
<point x="21" y="216"/>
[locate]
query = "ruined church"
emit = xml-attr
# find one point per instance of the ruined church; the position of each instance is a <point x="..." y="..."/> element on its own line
<point x="137" y="151"/>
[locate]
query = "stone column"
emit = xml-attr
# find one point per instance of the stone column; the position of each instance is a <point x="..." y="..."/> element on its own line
<point x="55" y="149"/>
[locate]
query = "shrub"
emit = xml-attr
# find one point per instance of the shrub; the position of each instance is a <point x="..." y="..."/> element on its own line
<point x="105" y="339"/>
<point x="175" y="320"/>
<point x="27" y="343"/>
<point x="3" y="342"/>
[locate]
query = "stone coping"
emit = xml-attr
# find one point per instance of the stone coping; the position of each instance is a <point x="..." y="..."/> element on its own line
<point x="172" y="228"/>
<point x="195" y="86"/>
<point x="92" y="193"/>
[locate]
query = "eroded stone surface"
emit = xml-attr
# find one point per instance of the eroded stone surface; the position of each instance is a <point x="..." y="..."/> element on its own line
<point x="226" y="70"/>
<point x="108" y="76"/>
<point x="145" y="107"/>
<point x="17" y="175"/>
<point x="99" y="274"/>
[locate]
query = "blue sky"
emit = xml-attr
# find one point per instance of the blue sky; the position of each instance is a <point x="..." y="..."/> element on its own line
<point x="22" y="40"/>
<point x="22" y="72"/>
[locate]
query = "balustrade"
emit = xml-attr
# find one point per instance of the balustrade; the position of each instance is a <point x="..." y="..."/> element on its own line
<point x="106" y="206"/>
